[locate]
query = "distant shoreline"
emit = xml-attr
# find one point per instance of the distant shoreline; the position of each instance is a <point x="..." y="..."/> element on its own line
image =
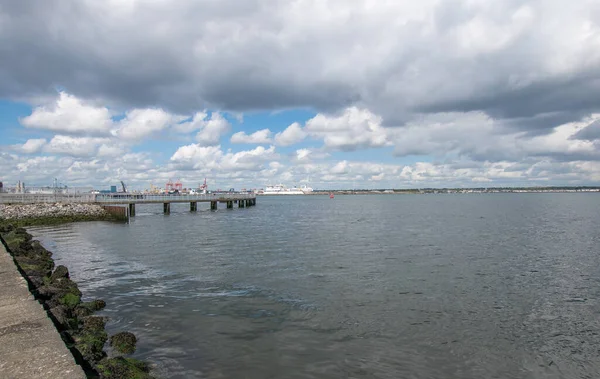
<point x="452" y="190"/>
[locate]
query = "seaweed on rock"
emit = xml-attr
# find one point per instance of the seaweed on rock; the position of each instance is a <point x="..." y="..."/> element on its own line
<point x="119" y="367"/>
<point x="84" y="334"/>
<point x="123" y="342"/>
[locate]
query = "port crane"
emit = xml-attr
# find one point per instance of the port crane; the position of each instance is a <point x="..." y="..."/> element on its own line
<point x="204" y="187"/>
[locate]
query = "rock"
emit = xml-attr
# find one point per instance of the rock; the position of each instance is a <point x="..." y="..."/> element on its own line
<point x="119" y="367"/>
<point x="64" y="293"/>
<point x="70" y="300"/>
<point x="60" y="315"/>
<point x="51" y="210"/>
<point x="61" y="272"/>
<point x="123" y="342"/>
<point x="22" y="231"/>
<point x="40" y="251"/>
<point x="34" y="266"/>
<point x="94" y="323"/>
<point x="6" y="228"/>
<point x="89" y="307"/>
<point x="91" y="339"/>
<point x="62" y="297"/>
<point x="99" y="304"/>
<point x="18" y="241"/>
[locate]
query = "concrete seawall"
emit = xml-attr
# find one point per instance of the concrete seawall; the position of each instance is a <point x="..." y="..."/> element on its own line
<point x="30" y="345"/>
<point x="117" y="211"/>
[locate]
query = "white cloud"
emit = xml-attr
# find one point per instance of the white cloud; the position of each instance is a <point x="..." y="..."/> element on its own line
<point x="458" y="149"/>
<point x="205" y="158"/>
<point x="303" y="154"/>
<point x="69" y="115"/>
<point x="249" y="159"/>
<point x="196" y="156"/>
<point x="197" y="122"/>
<point x="111" y="150"/>
<point x="353" y="129"/>
<point x="262" y="136"/>
<point x="212" y="130"/>
<point x="35" y="165"/>
<point x="260" y="166"/>
<point x="340" y="168"/>
<point x="141" y="123"/>
<point x="378" y="177"/>
<point x="32" y="146"/>
<point x="291" y="135"/>
<point x="75" y="146"/>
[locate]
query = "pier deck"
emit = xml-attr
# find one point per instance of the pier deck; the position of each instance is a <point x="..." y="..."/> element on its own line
<point x="131" y="199"/>
<point x="119" y="198"/>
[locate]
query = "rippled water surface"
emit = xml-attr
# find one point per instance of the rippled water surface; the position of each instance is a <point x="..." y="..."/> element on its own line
<point x="432" y="286"/>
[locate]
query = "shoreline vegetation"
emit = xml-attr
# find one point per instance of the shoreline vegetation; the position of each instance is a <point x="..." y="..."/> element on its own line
<point x="83" y="332"/>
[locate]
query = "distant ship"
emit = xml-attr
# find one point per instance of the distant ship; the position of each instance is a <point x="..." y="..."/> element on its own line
<point x="280" y="189"/>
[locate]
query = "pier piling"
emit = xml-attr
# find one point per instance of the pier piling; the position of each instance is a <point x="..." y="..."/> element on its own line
<point x="241" y="203"/>
<point x="193" y="206"/>
<point x="167" y="208"/>
<point x="131" y="209"/>
<point x="230" y="204"/>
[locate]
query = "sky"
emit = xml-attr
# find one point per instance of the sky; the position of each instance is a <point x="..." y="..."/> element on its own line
<point x="329" y="93"/>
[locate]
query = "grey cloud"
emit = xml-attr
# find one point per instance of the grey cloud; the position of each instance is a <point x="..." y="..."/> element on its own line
<point x="590" y="132"/>
<point x="538" y="107"/>
<point x="517" y="167"/>
<point x="262" y="55"/>
<point x="539" y="124"/>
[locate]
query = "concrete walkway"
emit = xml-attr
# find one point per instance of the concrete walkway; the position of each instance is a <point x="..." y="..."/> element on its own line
<point x="30" y="345"/>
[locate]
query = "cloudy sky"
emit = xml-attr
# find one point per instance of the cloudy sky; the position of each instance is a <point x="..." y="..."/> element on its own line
<point x="339" y="93"/>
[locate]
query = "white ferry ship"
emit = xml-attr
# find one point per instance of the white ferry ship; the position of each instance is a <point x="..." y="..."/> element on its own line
<point x="280" y="189"/>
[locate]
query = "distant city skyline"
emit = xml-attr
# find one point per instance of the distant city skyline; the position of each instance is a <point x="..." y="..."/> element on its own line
<point x="336" y="95"/>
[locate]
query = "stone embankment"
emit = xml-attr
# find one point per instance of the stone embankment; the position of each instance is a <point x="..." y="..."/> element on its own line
<point x="56" y="213"/>
<point x="82" y="332"/>
<point x="46" y="210"/>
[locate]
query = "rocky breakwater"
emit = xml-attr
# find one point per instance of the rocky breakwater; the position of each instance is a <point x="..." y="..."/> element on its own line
<point x="83" y="333"/>
<point x="49" y="213"/>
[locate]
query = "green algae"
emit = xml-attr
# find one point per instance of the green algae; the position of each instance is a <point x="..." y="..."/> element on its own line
<point x="119" y="367"/>
<point x="123" y="342"/>
<point x="44" y="221"/>
<point x="91" y="339"/>
<point x="16" y="237"/>
<point x="70" y="300"/>
<point x="87" y="308"/>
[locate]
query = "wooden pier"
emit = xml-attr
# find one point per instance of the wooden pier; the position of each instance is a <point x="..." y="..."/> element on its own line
<point x="131" y="199"/>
